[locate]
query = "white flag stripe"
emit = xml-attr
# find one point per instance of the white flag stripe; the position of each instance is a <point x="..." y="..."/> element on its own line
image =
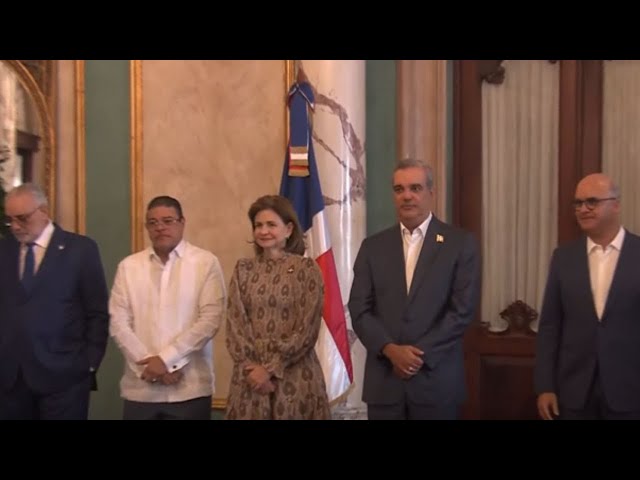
<point x="335" y="372"/>
<point x="318" y="236"/>
<point x="334" y="369"/>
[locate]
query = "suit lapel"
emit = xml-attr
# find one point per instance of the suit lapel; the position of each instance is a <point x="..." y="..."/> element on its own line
<point x="396" y="260"/>
<point x="51" y="256"/>
<point x="583" y="277"/>
<point x="430" y="250"/>
<point x="624" y="269"/>
<point x="14" y="255"/>
<point x="14" y="271"/>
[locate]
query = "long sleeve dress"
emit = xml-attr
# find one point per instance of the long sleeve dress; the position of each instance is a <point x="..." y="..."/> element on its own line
<point x="273" y="319"/>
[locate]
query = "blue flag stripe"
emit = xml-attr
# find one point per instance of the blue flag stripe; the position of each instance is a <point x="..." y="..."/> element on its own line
<point x="304" y="193"/>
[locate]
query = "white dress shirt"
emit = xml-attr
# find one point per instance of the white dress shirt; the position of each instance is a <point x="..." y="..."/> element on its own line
<point x="602" y="266"/>
<point x="172" y="310"/>
<point x="412" y="244"/>
<point x="39" y="248"/>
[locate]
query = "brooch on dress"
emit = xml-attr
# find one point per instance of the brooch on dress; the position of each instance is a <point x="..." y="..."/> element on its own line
<point x="290" y="269"/>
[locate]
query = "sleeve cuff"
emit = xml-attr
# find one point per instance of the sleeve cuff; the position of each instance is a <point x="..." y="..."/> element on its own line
<point x="380" y="346"/>
<point x="172" y="359"/>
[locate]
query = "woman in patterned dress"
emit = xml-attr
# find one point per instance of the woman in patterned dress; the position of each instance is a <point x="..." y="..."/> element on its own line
<point x="273" y="321"/>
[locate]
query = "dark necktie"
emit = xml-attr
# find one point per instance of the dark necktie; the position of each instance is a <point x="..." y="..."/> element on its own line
<point x="29" y="267"/>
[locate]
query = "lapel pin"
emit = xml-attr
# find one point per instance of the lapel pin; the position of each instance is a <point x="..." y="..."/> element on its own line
<point x="439" y="238"/>
<point x="60" y="247"/>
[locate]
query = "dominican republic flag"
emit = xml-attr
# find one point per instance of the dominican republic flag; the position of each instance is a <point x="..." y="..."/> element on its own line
<point x="301" y="185"/>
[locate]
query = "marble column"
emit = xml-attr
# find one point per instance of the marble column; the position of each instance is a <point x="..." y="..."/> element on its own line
<point x="339" y="131"/>
<point x="422" y="128"/>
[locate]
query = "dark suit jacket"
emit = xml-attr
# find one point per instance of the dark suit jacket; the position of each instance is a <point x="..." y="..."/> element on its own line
<point x="571" y="340"/>
<point x="433" y="316"/>
<point x="59" y="330"/>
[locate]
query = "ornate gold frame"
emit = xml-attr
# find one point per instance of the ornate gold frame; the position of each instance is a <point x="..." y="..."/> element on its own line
<point x="81" y="180"/>
<point x="135" y="75"/>
<point x="290" y="72"/>
<point x="38" y="78"/>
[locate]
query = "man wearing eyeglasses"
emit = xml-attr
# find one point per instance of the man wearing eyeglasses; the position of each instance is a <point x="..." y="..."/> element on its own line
<point x="53" y="313"/>
<point x="166" y="306"/>
<point x="588" y="343"/>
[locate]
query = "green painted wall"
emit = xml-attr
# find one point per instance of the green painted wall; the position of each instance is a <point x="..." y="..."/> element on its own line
<point x="380" y="142"/>
<point x="108" y="197"/>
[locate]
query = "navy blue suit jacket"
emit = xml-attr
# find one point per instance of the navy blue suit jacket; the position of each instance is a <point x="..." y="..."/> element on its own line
<point x="433" y="315"/>
<point x="571" y="340"/>
<point x="59" y="330"/>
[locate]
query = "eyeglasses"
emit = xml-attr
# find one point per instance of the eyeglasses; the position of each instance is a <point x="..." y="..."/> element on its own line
<point x="167" y="222"/>
<point x="590" y="202"/>
<point x="21" y="219"/>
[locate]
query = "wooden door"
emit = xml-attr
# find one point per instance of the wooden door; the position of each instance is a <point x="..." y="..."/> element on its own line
<point x="500" y="367"/>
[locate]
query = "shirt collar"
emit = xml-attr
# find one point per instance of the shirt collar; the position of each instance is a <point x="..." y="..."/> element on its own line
<point x="179" y="250"/>
<point x="615" y="243"/>
<point x="422" y="227"/>
<point x="45" y="237"/>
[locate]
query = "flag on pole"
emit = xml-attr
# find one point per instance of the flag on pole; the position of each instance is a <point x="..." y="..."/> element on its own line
<point x="301" y="185"/>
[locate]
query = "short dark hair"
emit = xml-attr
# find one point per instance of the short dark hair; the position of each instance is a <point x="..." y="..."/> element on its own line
<point x="166" y="201"/>
<point x="283" y="208"/>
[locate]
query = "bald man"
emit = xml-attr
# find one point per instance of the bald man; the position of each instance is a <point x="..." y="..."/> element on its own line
<point x="588" y="343"/>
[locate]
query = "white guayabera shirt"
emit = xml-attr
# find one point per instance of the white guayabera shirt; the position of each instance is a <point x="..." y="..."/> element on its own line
<point x="172" y="310"/>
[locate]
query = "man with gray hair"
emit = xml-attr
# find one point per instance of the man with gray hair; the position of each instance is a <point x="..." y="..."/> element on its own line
<point x="54" y="315"/>
<point x="416" y="288"/>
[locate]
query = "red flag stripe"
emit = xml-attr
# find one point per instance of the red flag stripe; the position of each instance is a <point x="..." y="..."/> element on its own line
<point x="333" y="311"/>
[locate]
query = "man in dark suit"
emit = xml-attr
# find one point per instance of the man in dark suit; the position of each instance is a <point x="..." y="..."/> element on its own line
<point x="588" y="343"/>
<point x="54" y="316"/>
<point x="415" y="290"/>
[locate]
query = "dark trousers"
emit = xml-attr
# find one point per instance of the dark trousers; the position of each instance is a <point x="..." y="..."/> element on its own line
<point x="596" y="407"/>
<point x="22" y="403"/>
<point x="195" y="409"/>
<point x="408" y="411"/>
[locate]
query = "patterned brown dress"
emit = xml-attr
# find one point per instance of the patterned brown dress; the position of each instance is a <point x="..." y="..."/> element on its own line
<point x="273" y="319"/>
